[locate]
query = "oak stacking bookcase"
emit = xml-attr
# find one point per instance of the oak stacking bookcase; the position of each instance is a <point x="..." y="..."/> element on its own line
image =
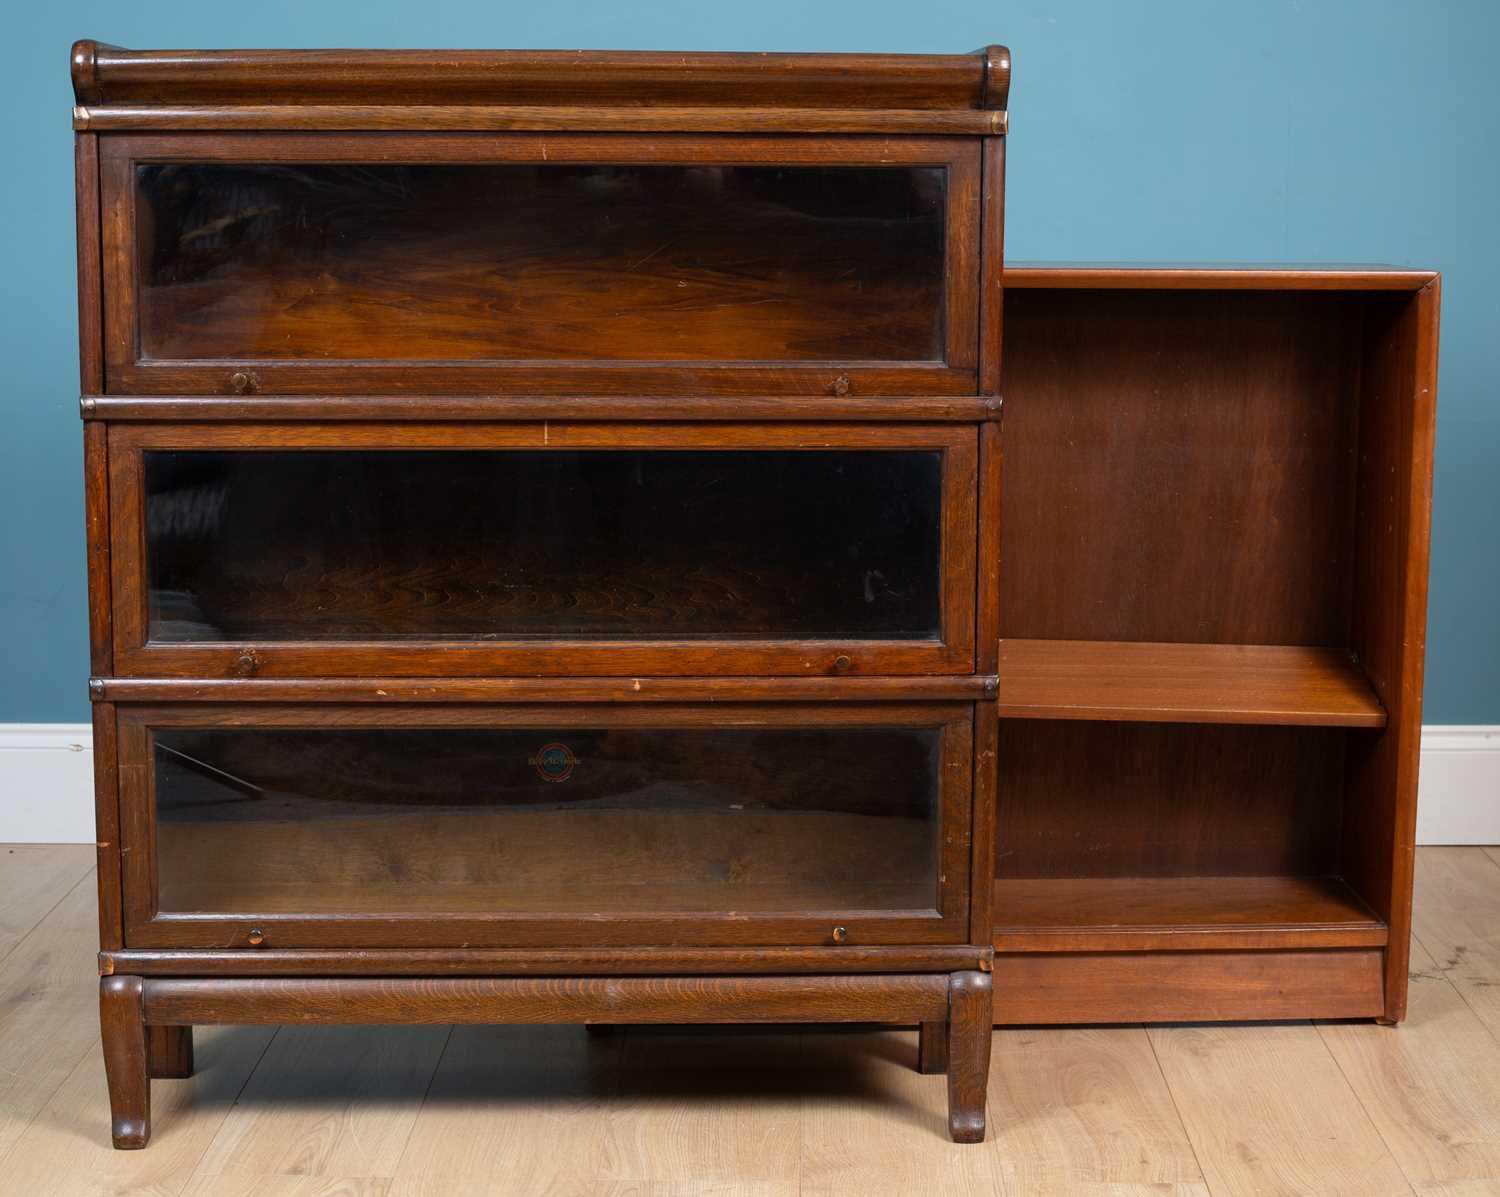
<point x="543" y="525"/>
<point x="547" y="564"/>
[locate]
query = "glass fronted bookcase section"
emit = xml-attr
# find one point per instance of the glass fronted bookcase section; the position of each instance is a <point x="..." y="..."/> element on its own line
<point x="515" y="826"/>
<point x="522" y="549"/>
<point x="621" y="265"/>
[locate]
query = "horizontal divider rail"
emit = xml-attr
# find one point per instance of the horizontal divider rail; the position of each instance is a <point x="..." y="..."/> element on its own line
<point x="940" y="409"/>
<point x="564" y="962"/>
<point x="398" y="690"/>
<point x="291" y="1000"/>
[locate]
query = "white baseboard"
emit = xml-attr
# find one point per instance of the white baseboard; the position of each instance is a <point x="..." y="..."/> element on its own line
<point x="46" y="783"/>
<point x="1458" y="794"/>
<point x="47" y="793"/>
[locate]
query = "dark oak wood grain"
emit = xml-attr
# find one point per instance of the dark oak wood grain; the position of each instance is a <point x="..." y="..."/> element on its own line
<point x="555" y="118"/>
<point x="281" y="409"/>
<point x="932" y="1048"/>
<point x="169" y="1052"/>
<point x="122" y="1022"/>
<point x="358" y="1000"/>
<point x="970" y="1007"/>
<point x="562" y="962"/>
<point x="397" y="691"/>
<point x="108" y="874"/>
<point x="332" y="705"/>
<point x="109" y="75"/>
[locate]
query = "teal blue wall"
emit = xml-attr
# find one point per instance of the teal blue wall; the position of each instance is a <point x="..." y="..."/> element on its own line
<point x="1311" y="130"/>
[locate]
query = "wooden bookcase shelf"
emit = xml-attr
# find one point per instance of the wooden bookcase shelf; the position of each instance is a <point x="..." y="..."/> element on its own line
<point x="1098" y="914"/>
<point x="1184" y="683"/>
<point x="1212" y="571"/>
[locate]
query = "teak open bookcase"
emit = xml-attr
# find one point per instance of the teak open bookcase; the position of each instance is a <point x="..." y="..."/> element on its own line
<point x="602" y="538"/>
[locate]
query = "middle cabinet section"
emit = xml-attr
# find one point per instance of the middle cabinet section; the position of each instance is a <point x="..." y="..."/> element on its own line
<point x="543" y="549"/>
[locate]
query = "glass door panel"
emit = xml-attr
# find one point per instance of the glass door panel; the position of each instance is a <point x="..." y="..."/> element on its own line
<point x="540" y="264"/>
<point x="779" y="549"/>
<point x="795" y="819"/>
<point x="536" y="262"/>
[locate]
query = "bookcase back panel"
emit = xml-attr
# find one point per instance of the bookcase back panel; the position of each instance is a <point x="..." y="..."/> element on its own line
<point x="1085" y="799"/>
<point x="1179" y="465"/>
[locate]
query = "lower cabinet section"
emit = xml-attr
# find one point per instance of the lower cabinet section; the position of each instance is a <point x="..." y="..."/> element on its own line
<point x="1101" y="987"/>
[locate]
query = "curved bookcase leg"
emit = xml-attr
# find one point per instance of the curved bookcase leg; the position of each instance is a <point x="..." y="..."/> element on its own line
<point x="124" y="1033"/>
<point x="970" y="1013"/>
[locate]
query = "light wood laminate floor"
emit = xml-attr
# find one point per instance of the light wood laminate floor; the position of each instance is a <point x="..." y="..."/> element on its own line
<point x="1185" y="1111"/>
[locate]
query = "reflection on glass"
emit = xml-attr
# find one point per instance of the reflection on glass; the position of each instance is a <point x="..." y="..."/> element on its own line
<point x="565" y="820"/>
<point x="321" y="545"/>
<point x="531" y="262"/>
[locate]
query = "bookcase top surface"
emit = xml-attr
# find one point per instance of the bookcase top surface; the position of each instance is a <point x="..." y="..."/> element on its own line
<point x="524" y="89"/>
<point x="1219" y="276"/>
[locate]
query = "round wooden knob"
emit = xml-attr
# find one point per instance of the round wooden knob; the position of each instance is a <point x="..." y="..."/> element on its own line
<point x="840" y="934"/>
<point x="246" y="665"/>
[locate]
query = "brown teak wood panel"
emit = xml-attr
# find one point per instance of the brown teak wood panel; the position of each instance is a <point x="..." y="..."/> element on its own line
<point x="1187" y="986"/>
<point x="1072" y="914"/>
<point x="1179" y="470"/>
<point x="1399" y="392"/>
<point x="1185" y="683"/>
<point x="1087" y="799"/>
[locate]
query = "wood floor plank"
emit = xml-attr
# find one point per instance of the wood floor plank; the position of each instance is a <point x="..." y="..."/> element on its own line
<point x="329" y="1102"/>
<point x="67" y="1150"/>
<point x="1432" y="1085"/>
<point x="524" y="1109"/>
<point x="1268" y="1112"/>
<point x="33" y="879"/>
<point x="1456" y="918"/>
<point x="288" y="1186"/>
<point x="871" y="1124"/>
<point x="1070" y="1108"/>
<point x="49" y="1008"/>
<point x="710" y="1111"/>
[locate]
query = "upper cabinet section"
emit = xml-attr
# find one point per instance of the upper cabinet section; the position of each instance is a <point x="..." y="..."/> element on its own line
<point x="284" y="224"/>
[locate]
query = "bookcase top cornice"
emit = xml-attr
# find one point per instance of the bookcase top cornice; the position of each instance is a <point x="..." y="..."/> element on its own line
<point x="551" y="90"/>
